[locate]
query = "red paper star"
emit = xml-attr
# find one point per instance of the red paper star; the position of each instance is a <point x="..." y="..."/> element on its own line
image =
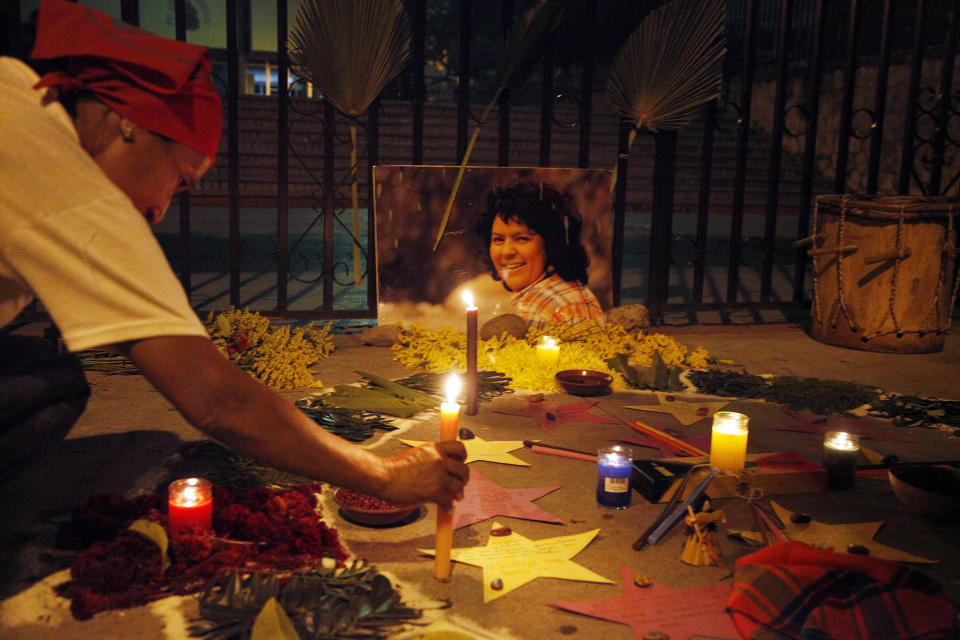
<point x="820" y="425"/>
<point x="484" y="499"/>
<point x="677" y="613"/>
<point x="550" y="414"/>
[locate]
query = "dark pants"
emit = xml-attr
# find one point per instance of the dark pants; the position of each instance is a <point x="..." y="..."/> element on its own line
<point x="42" y="393"/>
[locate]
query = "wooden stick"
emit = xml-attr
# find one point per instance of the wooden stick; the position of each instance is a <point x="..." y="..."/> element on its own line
<point x="563" y="453"/>
<point x="666" y="438"/>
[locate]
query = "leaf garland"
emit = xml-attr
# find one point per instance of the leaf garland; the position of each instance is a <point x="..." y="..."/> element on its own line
<point x="823" y="397"/>
<point x="351" y="601"/>
<point x="355" y="425"/>
<point x="381" y="396"/>
<point x="490" y="384"/>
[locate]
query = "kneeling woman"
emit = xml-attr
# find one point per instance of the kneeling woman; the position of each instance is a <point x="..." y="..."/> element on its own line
<point x="532" y="234"/>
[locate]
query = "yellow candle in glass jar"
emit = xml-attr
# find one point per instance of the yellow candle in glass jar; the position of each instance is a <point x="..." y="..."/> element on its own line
<point x="548" y="352"/>
<point x="728" y="441"/>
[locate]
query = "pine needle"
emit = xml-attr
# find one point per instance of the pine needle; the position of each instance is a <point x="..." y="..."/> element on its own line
<point x="350" y="49"/>
<point x="671" y="65"/>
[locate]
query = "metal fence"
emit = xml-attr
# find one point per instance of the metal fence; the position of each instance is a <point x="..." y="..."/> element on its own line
<point x="818" y="97"/>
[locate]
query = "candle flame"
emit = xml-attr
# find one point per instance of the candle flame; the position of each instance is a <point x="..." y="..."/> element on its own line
<point x="453" y="388"/>
<point x="468" y="298"/>
<point x="547" y="341"/>
<point x="842" y="440"/>
<point x="191" y="496"/>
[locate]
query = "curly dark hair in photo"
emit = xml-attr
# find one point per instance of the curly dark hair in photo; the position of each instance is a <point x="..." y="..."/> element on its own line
<point x="553" y="215"/>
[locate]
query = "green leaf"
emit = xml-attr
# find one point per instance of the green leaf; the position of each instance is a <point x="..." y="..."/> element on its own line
<point x="155" y="533"/>
<point x="272" y="623"/>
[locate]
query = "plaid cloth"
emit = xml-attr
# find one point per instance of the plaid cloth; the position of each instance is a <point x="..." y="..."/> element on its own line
<point x="791" y="590"/>
<point x="554" y="300"/>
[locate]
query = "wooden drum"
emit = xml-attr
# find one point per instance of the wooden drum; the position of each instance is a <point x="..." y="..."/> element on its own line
<point x="883" y="272"/>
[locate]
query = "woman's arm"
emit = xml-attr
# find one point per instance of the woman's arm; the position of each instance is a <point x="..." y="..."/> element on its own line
<point x="227" y="404"/>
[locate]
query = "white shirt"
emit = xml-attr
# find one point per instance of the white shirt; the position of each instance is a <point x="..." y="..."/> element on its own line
<point x="70" y="237"/>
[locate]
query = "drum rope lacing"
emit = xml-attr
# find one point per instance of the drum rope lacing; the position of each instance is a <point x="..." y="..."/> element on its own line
<point x="946" y="265"/>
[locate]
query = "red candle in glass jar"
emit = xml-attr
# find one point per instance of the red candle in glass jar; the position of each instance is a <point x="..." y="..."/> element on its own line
<point x="190" y="502"/>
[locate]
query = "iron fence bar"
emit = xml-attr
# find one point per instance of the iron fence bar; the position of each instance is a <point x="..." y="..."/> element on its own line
<point x="743" y="143"/>
<point x="945" y="96"/>
<point x="130" y="12"/>
<point x="186" y="266"/>
<point x="503" y="106"/>
<point x="463" y="77"/>
<point x="815" y="85"/>
<point x="283" y="157"/>
<point x="373" y="152"/>
<point x="776" y="150"/>
<point x="418" y="56"/>
<point x="329" y="202"/>
<point x="619" y="206"/>
<point x="546" y="101"/>
<point x="703" y="199"/>
<point x="880" y="99"/>
<point x="233" y="148"/>
<point x="664" y="179"/>
<point x="585" y="111"/>
<point x="908" y="141"/>
<point x="846" y="104"/>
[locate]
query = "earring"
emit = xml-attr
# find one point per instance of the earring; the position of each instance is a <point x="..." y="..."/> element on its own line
<point x="127" y="133"/>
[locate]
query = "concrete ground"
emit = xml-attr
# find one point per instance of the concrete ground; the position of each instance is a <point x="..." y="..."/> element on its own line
<point x="119" y="444"/>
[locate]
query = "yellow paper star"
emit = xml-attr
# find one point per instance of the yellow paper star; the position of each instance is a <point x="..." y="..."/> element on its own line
<point x="486" y="450"/>
<point x="836" y="536"/>
<point x="515" y="560"/>
<point x="686" y="411"/>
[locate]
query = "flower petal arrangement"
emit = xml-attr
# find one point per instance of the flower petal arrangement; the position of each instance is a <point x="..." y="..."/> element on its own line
<point x="442" y="350"/>
<point x="277" y="356"/>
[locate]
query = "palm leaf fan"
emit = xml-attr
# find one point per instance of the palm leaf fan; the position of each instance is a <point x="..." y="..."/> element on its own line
<point x="350" y="50"/>
<point x="671" y="65"/>
<point x="521" y="47"/>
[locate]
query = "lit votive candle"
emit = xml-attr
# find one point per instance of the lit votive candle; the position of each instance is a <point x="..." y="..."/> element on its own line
<point x="190" y="502"/>
<point x="548" y="352"/>
<point x="614" y="467"/>
<point x="728" y="441"/>
<point x="840" y="451"/>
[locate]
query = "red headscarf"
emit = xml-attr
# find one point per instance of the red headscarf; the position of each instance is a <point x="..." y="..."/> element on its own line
<point x="159" y="84"/>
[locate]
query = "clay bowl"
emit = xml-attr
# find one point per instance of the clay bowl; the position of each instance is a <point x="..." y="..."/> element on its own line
<point x="370" y="511"/>
<point x="929" y="491"/>
<point x="583" y="382"/>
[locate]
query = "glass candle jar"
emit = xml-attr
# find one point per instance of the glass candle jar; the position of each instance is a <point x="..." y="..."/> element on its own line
<point x="840" y="451"/>
<point x="548" y="352"/>
<point x="614" y="468"/>
<point x="728" y="441"/>
<point x="190" y="502"/>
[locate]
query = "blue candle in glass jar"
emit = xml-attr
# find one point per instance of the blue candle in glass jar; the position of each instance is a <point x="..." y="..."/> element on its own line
<point x="614" y="467"/>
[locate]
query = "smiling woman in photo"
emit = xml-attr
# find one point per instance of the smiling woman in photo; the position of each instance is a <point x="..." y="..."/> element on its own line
<point x="532" y="235"/>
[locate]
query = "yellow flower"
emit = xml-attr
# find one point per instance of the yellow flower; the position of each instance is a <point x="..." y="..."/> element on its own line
<point x="443" y="350"/>
<point x="280" y="357"/>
